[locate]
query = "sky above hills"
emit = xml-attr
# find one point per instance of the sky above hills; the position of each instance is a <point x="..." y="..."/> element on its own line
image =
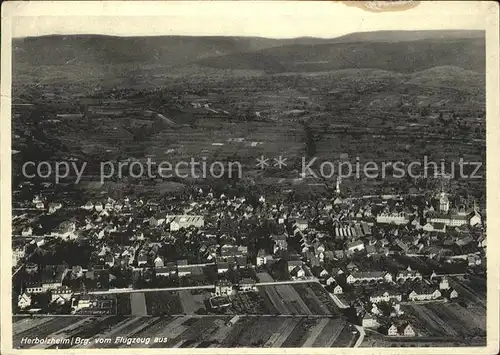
<point x="325" y="19"/>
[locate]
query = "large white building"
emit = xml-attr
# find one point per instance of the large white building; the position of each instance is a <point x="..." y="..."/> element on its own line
<point x="453" y="220"/>
<point x="393" y="218"/>
<point x="385" y="296"/>
<point x="369" y="276"/>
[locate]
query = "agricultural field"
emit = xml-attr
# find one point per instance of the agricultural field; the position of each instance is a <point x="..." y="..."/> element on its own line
<point x="191" y="302"/>
<point x="161" y="303"/>
<point x="292" y="299"/>
<point x="445" y="320"/>
<point x="250" y="303"/>
<point x="123" y="305"/>
<point x="299" y="299"/>
<point x="189" y="331"/>
<point x="138" y="304"/>
<point x="373" y="339"/>
<point x="471" y="289"/>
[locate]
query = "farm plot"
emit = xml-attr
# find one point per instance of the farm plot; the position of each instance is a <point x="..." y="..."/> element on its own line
<point x="185" y="331"/>
<point x="315" y="332"/>
<point x="260" y="330"/>
<point x="192" y="303"/>
<point x="250" y="303"/>
<point x="152" y="327"/>
<point x="460" y="319"/>
<point x="267" y="301"/>
<point x="426" y="323"/>
<point x="286" y="300"/>
<point x="264" y="277"/>
<point x="138" y="304"/>
<point x="449" y="320"/>
<point x="281" y="334"/>
<point x="247" y="332"/>
<point x="95" y="327"/>
<point x="123" y="305"/>
<point x="346" y="338"/>
<point x="171" y="331"/>
<point x="472" y="290"/>
<point x="311" y="299"/>
<point x="328" y="335"/>
<point x="237" y="332"/>
<point x="324" y="298"/>
<point x="42" y="330"/>
<point x="27" y="323"/>
<point x="300" y="333"/>
<point x="163" y="303"/>
<point x="124" y="330"/>
<point x="198" y="332"/>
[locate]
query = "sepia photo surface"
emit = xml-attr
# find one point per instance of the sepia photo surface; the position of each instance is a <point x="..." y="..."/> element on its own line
<point x="249" y="177"/>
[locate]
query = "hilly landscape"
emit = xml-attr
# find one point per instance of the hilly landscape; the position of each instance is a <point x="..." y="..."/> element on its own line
<point x="166" y="50"/>
<point x="394" y="56"/>
<point x="401" y="51"/>
<point x="374" y="94"/>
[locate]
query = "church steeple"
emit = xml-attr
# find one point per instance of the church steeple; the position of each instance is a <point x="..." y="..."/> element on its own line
<point x="337" y="186"/>
<point x="444" y="202"/>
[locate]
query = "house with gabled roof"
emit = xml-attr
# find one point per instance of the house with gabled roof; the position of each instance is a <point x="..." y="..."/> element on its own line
<point x="453" y="293"/>
<point x="24" y="300"/>
<point x="338" y="290"/>
<point x="158" y="262"/>
<point x="61" y="295"/>
<point x="319" y="272"/>
<point x="297" y="272"/>
<point x="223" y="288"/>
<point x="392" y="330"/>
<point x="330" y="280"/>
<point x="406" y="330"/>
<point x="369" y="321"/>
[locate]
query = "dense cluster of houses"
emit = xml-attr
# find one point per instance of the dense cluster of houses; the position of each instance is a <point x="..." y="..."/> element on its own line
<point x="181" y="238"/>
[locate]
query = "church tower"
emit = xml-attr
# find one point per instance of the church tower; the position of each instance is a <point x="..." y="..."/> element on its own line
<point x="337" y="186"/>
<point x="444" y="202"/>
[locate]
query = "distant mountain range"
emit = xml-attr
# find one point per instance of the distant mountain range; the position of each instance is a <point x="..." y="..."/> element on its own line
<point x="400" y="51"/>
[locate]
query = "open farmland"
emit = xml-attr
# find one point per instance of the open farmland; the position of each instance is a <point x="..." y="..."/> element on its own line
<point x="300" y="299"/>
<point x="373" y="339"/>
<point x="471" y="289"/>
<point x="163" y="302"/>
<point x="316" y="299"/>
<point x="138" y="304"/>
<point x="285" y="299"/>
<point x="445" y="320"/>
<point x="191" y="303"/>
<point x="193" y="331"/>
<point x="123" y="304"/>
<point x="44" y="327"/>
<point x="251" y="303"/>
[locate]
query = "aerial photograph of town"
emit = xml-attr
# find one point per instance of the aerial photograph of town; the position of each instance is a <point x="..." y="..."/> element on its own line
<point x="202" y="191"/>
